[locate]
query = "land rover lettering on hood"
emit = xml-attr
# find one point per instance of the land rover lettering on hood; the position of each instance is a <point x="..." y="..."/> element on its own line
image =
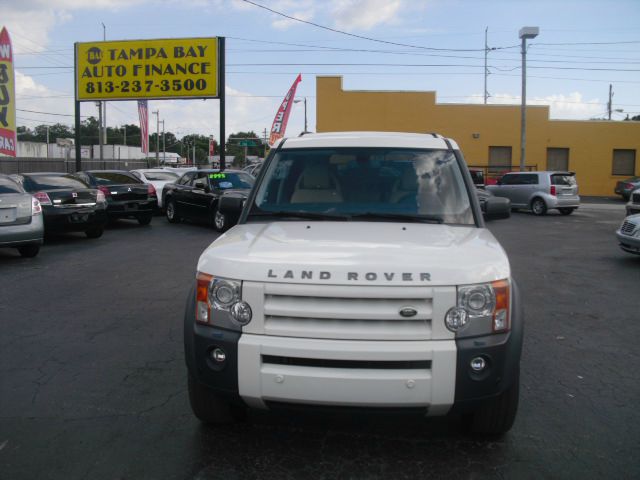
<point x="360" y="274"/>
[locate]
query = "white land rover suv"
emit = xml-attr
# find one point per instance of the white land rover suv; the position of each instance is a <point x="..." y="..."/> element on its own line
<point x="360" y="275"/>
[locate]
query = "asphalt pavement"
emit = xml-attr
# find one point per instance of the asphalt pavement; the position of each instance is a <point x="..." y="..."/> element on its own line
<point x="93" y="381"/>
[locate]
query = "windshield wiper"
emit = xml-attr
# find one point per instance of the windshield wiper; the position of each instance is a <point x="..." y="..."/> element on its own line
<point x="407" y="217"/>
<point x="300" y="214"/>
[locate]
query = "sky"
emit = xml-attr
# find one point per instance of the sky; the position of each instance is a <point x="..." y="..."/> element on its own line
<point x="401" y="45"/>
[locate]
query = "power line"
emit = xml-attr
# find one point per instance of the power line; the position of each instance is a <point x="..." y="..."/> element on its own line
<point x="363" y="37"/>
<point x="49" y="113"/>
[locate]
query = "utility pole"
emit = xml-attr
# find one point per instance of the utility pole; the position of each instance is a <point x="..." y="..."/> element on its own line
<point x="194" y="151"/>
<point x="264" y="142"/>
<point x="99" y="105"/>
<point x="486" y="70"/>
<point x="610" y="100"/>
<point x="524" y="34"/>
<point x="157" y="114"/>
<point x="124" y="129"/>
<point x="164" y="151"/>
<point x="47" y="142"/>
<point x="104" y="104"/>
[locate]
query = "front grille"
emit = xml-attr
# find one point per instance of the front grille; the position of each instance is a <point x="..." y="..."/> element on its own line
<point x="627" y="227"/>
<point x="366" y="364"/>
<point x="347" y="312"/>
<point x="635" y="198"/>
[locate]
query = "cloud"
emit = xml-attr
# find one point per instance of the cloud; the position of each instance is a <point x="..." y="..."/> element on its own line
<point x="365" y="14"/>
<point x="572" y="106"/>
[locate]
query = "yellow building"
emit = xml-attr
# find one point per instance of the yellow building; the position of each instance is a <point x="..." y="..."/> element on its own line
<point x="600" y="152"/>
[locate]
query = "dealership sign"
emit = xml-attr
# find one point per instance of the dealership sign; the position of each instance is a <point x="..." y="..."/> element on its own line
<point x="135" y="69"/>
<point x="7" y="97"/>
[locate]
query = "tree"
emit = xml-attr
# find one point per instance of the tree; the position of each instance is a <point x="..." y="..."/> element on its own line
<point x="242" y="143"/>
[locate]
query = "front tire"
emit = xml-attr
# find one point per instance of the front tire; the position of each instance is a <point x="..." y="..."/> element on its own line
<point x="496" y="417"/>
<point x="209" y="407"/>
<point x="566" y="210"/>
<point x="538" y="207"/>
<point x="29" y="251"/>
<point x="220" y="221"/>
<point x="170" y="212"/>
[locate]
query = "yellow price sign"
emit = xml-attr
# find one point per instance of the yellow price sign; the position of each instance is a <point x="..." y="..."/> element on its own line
<point x="132" y="69"/>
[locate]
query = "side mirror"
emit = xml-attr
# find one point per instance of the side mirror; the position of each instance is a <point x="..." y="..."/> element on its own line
<point x="497" y="208"/>
<point x="231" y="205"/>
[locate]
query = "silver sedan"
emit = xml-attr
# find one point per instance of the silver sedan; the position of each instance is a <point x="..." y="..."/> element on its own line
<point x="21" y="224"/>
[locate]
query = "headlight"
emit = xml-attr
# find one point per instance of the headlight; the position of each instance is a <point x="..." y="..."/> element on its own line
<point x="481" y="309"/>
<point x="219" y="302"/>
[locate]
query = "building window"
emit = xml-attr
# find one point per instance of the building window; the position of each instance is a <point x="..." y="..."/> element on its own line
<point x="499" y="159"/>
<point x="624" y="162"/>
<point x="558" y="159"/>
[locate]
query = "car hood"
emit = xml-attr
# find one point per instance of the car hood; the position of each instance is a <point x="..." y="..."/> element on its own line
<point x="356" y="253"/>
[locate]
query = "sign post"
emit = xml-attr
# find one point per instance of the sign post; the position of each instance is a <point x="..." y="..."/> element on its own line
<point x="177" y="68"/>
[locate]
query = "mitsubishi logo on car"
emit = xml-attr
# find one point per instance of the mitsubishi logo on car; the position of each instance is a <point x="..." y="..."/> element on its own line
<point x="408" y="312"/>
<point x="129" y="189"/>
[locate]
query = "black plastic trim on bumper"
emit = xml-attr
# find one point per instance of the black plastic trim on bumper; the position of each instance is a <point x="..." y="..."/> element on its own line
<point x="199" y="342"/>
<point x="501" y="352"/>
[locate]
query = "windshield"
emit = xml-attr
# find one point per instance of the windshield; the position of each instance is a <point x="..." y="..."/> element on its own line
<point x="225" y="180"/>
<point x="356" y="181"/>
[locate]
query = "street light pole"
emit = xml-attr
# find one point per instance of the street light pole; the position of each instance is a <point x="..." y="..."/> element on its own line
<point x="164" y="151"/>
<point x="524" y="34"/>
<point x="305" y="112"/>
<point x="157" y="114"/>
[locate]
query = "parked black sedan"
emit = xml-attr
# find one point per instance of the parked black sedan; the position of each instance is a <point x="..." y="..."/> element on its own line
<point x="127" y="196"/>
<point x="68" y="203"/>
<point x="196" y="194"/>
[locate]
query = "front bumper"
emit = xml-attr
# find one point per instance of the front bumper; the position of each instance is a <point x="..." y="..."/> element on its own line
<point x="628" y="243"/>
<point x="435" y="376"/>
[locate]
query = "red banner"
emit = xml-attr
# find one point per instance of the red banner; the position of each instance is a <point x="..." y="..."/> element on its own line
<point x="282" y="117"/>
<point x="8" y="140"/>
<point x="143" y="115"/>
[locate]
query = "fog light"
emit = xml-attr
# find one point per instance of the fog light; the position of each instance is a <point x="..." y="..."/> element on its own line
<point x="218" y="355"/>
<point x="456" y="318"/>
<point x="241" y="313"/>
<point x="478" y="364"/>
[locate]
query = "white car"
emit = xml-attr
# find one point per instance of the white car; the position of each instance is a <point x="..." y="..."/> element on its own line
<point x="629" y="234"/>
<point x="158" y="177"/>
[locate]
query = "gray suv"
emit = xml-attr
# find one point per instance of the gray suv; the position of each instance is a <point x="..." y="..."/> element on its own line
<point x="539" y="191"/>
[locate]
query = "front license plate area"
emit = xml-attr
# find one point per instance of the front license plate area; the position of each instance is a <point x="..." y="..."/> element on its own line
<point x="131" y="206"/>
